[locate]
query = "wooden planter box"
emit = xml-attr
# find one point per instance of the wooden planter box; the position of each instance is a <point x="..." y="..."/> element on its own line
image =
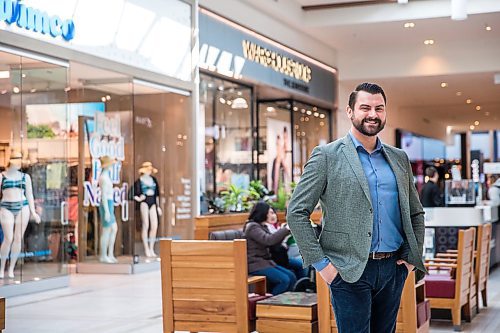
<point x="205" y="224"/>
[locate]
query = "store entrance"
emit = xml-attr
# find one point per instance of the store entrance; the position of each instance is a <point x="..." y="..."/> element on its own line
<point x="34" y="159"/>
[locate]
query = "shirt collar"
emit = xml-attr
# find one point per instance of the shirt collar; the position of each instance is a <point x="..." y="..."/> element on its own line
<point x="358" y="144"/>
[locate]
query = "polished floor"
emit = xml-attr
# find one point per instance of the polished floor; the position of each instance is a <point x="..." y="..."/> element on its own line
<point x="132" y="303"/>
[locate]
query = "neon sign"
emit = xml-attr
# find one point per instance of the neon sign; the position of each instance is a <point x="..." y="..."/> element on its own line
<point x="36" y="20"/>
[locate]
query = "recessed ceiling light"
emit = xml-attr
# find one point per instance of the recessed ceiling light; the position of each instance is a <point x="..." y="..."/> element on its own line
<point x="468" y="101"/>
<point x="486" y="113"/>
<point x="476" y="123"/>
<point x="459" y="93"/>
<point x="478" y="108"/>
<point x="429" y="41"/>
<point x="444" y="84"/>
<point x="16" y="90"/>
<point x="103" y="98"/>
<point x="472" y="127"/>
<point x="409" y="25"/>
<point x="487" y="28"/>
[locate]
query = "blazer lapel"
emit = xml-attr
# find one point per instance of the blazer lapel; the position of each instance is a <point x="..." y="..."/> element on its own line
<point x="352" y="157"/>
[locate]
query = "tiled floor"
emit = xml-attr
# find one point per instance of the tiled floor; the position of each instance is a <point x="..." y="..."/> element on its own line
<point x="132" y="303"/>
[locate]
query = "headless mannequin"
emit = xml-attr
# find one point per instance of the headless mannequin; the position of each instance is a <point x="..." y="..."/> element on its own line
<point x="150" y="210"/>
<point x="108" y="220"/>
<point x="15" y="207"/>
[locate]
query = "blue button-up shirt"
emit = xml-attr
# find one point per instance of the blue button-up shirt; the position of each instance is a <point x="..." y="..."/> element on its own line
<point x="387" y="235"/>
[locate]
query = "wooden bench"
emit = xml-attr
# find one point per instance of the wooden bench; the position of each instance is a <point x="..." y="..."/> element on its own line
<point x="205" y="224"/>
<point x="2" y="314"/>
<point x="290" y="312"/>
<point x="407" y="316"/>
<point x="205" y="286"/>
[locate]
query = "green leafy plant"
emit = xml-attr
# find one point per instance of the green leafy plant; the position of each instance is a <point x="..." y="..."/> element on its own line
<point x="235" y="199"/>
<point x="281" y="198"/>
<point x="40" y="132"/>
<point x="257" y="190"/>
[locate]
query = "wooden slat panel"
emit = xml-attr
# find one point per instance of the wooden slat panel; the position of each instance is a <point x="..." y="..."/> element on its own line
<point x="204" y="294"/>
<point x="208" y="317"/>
<point x="241" y="288"/>
<point x="205" y="308"/>
<point x="224" y="275"/>
<point x="202" y="258"/>
<point x="207" y="264"/>
<point x="197" y="248"/>
<point x="203" y="284"/>
<point x="205" y="327"/>
<point x="286" y="312"/>
<point x="289" y="326"/>
<point x="2" y="313"/>
<point x="166" y="285"/>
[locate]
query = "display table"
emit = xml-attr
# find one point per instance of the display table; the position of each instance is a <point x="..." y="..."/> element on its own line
<point x="290" y="312"/>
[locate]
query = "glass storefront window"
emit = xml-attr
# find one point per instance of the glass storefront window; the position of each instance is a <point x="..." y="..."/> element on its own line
<point x="35" y="234"/>
<point x="226" y="106"/>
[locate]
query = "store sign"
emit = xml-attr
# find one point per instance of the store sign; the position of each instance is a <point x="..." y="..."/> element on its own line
<point x="241" y="54"/>
<point x="32" y="19"/>
<point x="278" y="62"/>
<point x="107" y="140"/>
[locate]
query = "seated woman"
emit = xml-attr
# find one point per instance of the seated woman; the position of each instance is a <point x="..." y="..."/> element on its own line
<point x="259" y="239"/>
<point x="281" y="254"/>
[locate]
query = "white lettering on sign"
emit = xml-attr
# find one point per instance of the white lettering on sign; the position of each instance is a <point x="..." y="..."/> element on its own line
<point x="183" y="210"/>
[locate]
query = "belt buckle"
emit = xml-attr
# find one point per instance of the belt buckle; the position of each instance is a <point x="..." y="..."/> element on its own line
<point x="373" y="256"/>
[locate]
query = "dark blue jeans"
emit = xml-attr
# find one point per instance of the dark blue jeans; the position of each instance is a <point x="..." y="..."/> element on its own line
<point x="371" y="304"/>
<point x="278" y="278"/>
<point x="296" y="265"/>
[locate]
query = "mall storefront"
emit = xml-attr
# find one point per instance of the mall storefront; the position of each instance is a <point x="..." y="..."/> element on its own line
<point x="265" y="107"/>
<point x="96" y="137"/>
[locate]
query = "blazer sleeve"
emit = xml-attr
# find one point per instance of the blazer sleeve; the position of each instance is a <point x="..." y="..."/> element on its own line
<point x="416" y="211"/>
<point x="304" y="199"/>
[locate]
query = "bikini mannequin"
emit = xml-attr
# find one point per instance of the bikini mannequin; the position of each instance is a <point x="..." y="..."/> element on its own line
<point x="16" y="205"/>
<point x="147" y="193"/>
<point x="107" y="213"/>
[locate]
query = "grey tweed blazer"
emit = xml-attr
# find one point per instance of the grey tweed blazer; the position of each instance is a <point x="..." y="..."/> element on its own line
<point x="334" y="177"/>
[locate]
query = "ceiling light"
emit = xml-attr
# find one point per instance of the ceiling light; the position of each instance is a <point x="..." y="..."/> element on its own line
<point x="270" y="109"/>
<point x="322" y="116"/>
<point x="476" y="123"/>
<point x="444" y="84"/>
<point x="23" y="76"/>
<point x="33" y="90"/>
<point x="239" y="93"/>
<point x="221" y="88"/>
<point x="468" y="101"/>
<point x="429" y="42"/>
<point x="409" y="25"/>
<point x="303" y="110"/>
<point x="4" y="92"/>
<point x="108" y="97"/>
<point x="486" y="113"/>
<point x="321" y="123"/>
<point x="239" y="103"/>
<point x="229" y="102"/>
<point x="309" y="112"/>
<point x="458" y="9"/>
<point x="295" y="108"/>
<point x="472" y="127"/>
<point x="459" y="93"/>
<point x="316" y="114"/>
<point x="4" y="74"/>
<point x="478" y="108"/>
<point x="402" y="1"/>
<point x="103" y="98"/>
<point x="222" y="100"/>
<point x="315" y="108"/>
<point x="16" y="90"/>
<point x="210" y="84"/>
<point x="487" y="28"/>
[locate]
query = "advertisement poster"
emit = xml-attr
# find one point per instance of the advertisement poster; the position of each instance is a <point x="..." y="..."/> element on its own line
<point x="279" y="154"/>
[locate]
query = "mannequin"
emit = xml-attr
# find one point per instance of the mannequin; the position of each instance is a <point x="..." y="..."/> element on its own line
<point x="107" y="213"/>
<point x="16" y="205"/>
<point x="147" y="193"/>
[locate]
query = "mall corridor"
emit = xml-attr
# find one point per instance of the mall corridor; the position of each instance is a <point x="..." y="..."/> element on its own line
<point x="132" y="303"/>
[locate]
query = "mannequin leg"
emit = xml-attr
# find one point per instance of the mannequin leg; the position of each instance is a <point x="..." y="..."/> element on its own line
<point x="153" y="218"/>
<point x="7" y="221"/>
<point x="20" y="224"/>
<point x="105" y="232"/>
<point x="145" y="227"/>
<point x="111" y="247"/>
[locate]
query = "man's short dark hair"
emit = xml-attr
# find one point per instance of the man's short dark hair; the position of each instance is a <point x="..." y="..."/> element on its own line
<point x="371" y="88"/>
<point x="430" y="171"/>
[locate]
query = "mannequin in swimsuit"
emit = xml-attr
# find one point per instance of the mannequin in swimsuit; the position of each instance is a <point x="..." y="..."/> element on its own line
<point x="15" y="208"/>
<point x="107" y="213"/>
<point x="147" y="193"/>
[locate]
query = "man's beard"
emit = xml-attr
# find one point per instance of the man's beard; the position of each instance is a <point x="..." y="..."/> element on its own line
<point x="367" y="129"/>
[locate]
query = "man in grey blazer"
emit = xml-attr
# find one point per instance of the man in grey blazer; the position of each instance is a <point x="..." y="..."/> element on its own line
<point x="373" y="222"/>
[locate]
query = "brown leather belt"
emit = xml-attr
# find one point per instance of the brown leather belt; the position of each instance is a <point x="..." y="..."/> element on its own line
<point x="381" y="255"/>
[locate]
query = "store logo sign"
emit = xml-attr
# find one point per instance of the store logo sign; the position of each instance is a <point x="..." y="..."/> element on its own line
<point x="14" y="12"/>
